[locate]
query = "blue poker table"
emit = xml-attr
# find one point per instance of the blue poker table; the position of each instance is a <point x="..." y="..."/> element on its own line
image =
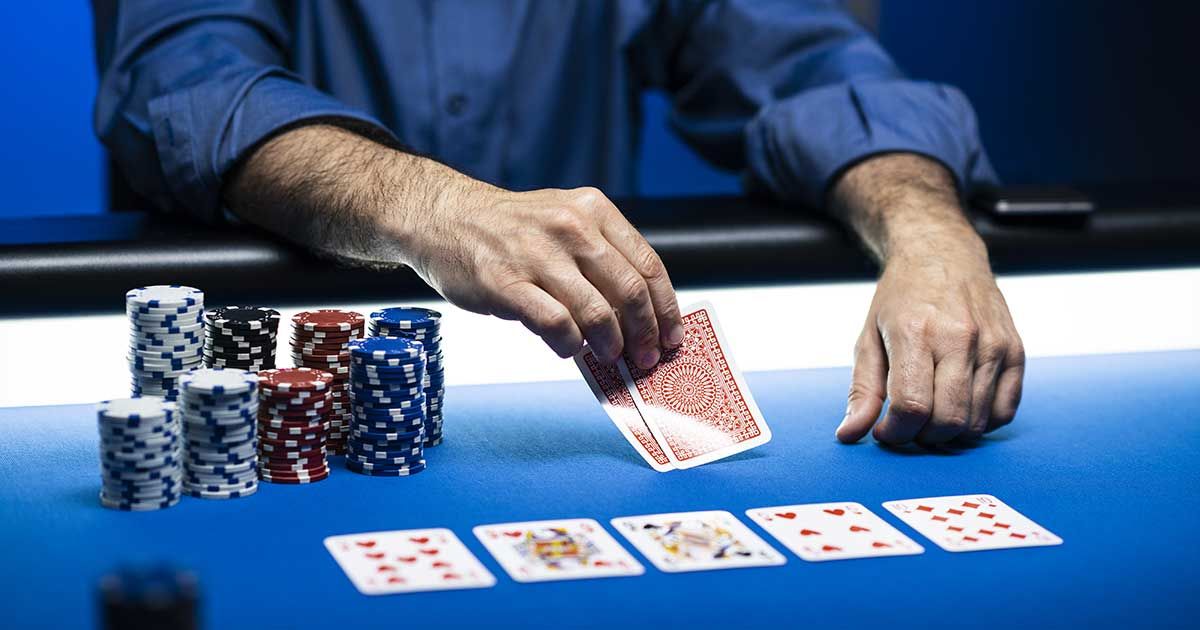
<point x="1104" y="453"/>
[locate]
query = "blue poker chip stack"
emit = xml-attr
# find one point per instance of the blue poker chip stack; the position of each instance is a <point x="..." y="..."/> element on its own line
<point x="387" y="432"/>
<point x="219" y="413"/>
<point x="424" y="325"/>
<point x="166" y="337"/>
<point x="139" y="454"/>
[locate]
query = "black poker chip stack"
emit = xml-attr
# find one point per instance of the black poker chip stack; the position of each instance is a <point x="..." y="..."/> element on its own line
<point x="241" y="337"/>
<point x="137" y="598"/>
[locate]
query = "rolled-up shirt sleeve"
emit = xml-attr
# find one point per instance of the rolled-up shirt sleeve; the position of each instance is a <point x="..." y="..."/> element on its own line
<point x="187" y="91"/>
<point x="795" y="92"/>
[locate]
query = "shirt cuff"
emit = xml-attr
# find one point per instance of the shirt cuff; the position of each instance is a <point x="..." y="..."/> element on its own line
<point x="201" y="132"/>
<point x="797" y="147"/>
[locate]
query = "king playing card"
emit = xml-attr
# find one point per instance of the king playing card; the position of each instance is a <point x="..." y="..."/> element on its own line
<point x="568" y="549"/>
<point x="696" y="541"/>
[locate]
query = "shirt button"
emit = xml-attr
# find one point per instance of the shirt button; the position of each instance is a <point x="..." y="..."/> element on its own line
<point x="456" y="104"/>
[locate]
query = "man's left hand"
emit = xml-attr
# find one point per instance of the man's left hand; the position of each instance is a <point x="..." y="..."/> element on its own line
<point x="939" y="342"/>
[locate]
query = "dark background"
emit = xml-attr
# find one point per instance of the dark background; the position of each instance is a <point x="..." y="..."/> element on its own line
<point x="1069" y="91"/>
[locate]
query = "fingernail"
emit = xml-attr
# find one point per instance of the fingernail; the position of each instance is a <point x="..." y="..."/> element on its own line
<point x="650" y="358"/>
<point x="842" y="424"/>
<point x="675" y="336"/>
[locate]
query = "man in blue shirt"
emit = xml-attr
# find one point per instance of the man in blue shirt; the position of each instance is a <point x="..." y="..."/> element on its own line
<point x="314" y="120"/>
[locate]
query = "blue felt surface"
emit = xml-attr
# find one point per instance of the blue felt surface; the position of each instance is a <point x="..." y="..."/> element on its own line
<point x="1104" y="453"/>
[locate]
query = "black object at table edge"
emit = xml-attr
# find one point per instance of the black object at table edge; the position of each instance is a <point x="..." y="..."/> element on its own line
<point x="704" y="241"/>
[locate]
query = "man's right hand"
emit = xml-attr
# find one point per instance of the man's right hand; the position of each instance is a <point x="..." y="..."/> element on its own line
<point x="565" y="263"/>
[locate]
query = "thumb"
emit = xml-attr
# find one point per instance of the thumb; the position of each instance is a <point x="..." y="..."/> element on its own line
<point x="868" y="386"/>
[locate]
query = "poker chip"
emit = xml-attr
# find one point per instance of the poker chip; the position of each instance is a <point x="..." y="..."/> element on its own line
<point x="219" y="411"/>
<point x="140" y="453"/>
<point x="320" y="340"/>
<point x="292" y="428"/>
<point x="241" y="337"/>
<point x="166" y="337"/>
<point x="423" y="325"/>
<point x="387" y="408"/>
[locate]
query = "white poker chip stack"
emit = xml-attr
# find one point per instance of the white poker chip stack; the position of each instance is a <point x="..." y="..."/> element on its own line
<point x="166" y="337"/>
<point x="140" y="463"/>
<point x="219" y="410"/>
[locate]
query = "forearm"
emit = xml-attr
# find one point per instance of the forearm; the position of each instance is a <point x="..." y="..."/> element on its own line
<point x="342" y="194"/>
<point x="902" y="204"/>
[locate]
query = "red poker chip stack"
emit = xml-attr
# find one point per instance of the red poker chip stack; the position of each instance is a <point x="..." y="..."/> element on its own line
<point x="293" y="425"/>
<point x="320" y="340"/>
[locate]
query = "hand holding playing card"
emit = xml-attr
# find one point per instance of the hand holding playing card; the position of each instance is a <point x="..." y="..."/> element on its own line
<point x="694" y="401"/>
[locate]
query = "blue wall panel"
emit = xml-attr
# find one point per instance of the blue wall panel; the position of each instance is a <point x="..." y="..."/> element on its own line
<point x="1075" y="91"/>
<point x="50" y="162"/>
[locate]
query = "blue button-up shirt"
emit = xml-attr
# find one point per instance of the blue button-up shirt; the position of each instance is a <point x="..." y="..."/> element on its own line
<point x="521" y="93"/>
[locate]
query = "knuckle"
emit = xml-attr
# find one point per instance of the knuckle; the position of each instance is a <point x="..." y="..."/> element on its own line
<point x="858" y="391"/>
<point x="954" y="422"/>
<point x="647" y="262"/>
<point x="992" y="350"/>
<point x="962" y="332"/>
<point x="596" y="316"/>
<point x="633" y="291"/>
<point x="553" y="320"/>
<point x="568" y="226"/>
<point x="1016" y="353"/>
<point x="911" y="407"/>
<point x="589" y="197"/>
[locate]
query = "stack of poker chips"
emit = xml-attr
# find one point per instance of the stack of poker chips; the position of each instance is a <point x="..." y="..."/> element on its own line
<point x="320" y="340"/>
<point x="387" y="437"/>
<point x="241" y="337"/>
<point x="166" y="337"/>
<point x="219" y="407"/>
<point x="424" y="325"/>
<point x="292" y="425"/>
<point x="139" y="454"/>
<point x="149" y="597"/>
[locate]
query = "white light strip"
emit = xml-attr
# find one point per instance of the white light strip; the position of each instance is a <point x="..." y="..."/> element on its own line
<point x="81" y="359"/>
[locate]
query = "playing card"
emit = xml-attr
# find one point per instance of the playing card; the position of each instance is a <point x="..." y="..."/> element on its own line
<point x="406" y="561"/>
<point x="833" y="531"/>
<point x="696" y="541"/>
<point x="971" y="522"/>
<point x="694" y="401"/>
<point x="568" y="549"/>
<point x="609" y="388"/>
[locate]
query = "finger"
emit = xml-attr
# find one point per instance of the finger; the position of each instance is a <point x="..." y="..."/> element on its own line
<point x="633" y="246"/>
<point x="868" y="387"/>
<point x="981" y="399"/>
<point x="910" y="391"/>
<point x="626" y="291"/>
<point x="1008" y="389"/>
<point x="592" y="314"/>
<point x="952" y="395"/>
<point x="545" y="316"/>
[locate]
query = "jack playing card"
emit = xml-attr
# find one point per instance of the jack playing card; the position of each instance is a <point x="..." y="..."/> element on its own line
<point x="568" y="549"/>
<point x="406" y="561"/>
<point x="694" y="401"/>
<point x="609" y="388"/>
<point x="696" y="541"/>
<point x="971" y="522"/>
<point x="833" y="531"/>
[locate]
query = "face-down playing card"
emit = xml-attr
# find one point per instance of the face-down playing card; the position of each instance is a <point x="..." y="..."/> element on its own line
<point x="696" y="541"/>
<point x="971" y="522"/>
<point x="566" y="549"/>
<point x="833" y="531"/>
<point x="405" y="561"/>
<point x="608" y="386"/>
<point x="695" y="401"/>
